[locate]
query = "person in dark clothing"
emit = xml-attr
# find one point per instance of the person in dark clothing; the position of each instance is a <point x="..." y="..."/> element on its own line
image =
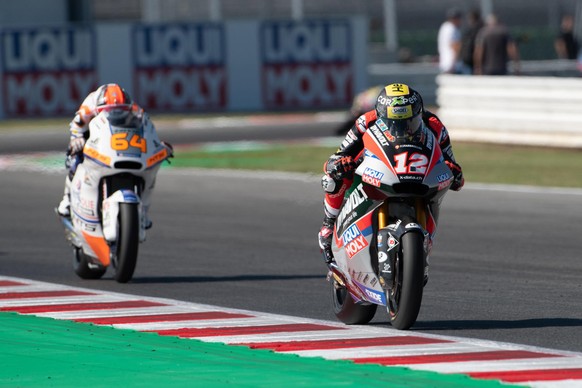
<point x="468" y="37"/>
<point x="566" y="44"/>
<point x="494" y="47"/>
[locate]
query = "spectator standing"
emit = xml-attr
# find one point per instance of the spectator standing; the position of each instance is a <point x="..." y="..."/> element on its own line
<point x="566" y="44"/>
<point x="468" y="37"/>
<point x="494" y="47"/>
<point x="449" y="42"/>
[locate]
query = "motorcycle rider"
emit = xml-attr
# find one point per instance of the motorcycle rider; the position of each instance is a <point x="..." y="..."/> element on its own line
<point x="410" y="119"/>
<point x="115" y="99"/>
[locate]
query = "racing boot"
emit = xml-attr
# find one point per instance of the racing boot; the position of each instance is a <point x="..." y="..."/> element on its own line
<point x="324" y="236"/>
<point x="147" y="222"/>
<point x="64" y="208"/>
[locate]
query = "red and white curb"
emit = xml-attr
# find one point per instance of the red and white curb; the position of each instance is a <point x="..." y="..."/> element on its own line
<point x="510" y="363"/>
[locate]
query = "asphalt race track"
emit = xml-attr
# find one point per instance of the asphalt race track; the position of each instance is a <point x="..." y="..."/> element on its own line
<point x="506" y="265"/>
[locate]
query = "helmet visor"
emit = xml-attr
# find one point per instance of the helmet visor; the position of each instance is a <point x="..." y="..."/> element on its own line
<point x="404" y="127"/>
<point x="120" y="116"/>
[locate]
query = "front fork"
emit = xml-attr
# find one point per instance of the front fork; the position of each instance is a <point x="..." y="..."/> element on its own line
<point x="420" y="208"/>
<point x="389" y="237"/>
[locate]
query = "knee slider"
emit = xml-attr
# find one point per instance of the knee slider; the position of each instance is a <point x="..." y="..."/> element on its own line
<point x="330" y="185"/>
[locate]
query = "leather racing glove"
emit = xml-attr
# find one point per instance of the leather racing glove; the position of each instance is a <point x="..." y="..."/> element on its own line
<point x="339" y="166"/>
<point x="170" y="149"/>
<point x="458" y="179"/>
<point x="76" y="145"/>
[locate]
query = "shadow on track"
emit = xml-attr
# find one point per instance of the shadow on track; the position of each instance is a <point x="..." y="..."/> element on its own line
<point x="497" y="324"/>
<point x="213" y="279"/>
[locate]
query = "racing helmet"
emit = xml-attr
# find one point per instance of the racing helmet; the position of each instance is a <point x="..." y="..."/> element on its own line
<point x="116" y="102"/>
<point x="112" y="95"/>
<point x="401" y="108"/>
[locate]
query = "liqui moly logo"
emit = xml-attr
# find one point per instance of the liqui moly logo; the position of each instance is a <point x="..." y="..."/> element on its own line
<point x="306" y="64"/>
<point x="353" y="240"/>
<point x="180" y="67"/>
<point x="47" y="71"/>
<point x="372" y="177"/>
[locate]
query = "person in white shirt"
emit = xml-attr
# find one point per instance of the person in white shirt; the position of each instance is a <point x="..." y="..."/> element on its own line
<point x="449" y="43"/>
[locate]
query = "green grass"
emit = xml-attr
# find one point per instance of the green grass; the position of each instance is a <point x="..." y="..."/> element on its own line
<point x="296" y="158"/>
<point x="520" y="165"/>
<point x="483" y="163"/>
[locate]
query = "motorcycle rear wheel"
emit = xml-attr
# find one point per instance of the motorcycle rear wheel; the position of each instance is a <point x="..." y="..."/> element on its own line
<point x="84" y="266"/>
<point x="127" y="242"/>
<point x="346" y="310"/>
<point x="405" y="298"/>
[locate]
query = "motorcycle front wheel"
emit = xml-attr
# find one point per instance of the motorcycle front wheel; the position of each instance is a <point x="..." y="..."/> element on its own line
<point x="345" y="309"/>
<point x="405" y="297"/>
<point x="127" y="242"/>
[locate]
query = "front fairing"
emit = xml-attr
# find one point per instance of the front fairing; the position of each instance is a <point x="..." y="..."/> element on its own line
<point x="134" y="149"/>
<point x="414" y="167"/>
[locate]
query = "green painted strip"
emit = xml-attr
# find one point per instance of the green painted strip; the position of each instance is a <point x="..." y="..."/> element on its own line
<point x="43" y="352"/>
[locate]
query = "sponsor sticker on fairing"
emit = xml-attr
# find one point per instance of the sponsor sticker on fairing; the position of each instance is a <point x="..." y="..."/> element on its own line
<point x="374" y="296"/>
<point x="372" y="177"/>
<point x="353" y="241"/>
<point x="395" y="226"/>
<point x="379" y="135"/>
<point x="382" y="257"/>
<point x="392" y="242"/>
<point x="368" y="154"/>
<point x="356" y="198"/>
<point x="443" y="177"/>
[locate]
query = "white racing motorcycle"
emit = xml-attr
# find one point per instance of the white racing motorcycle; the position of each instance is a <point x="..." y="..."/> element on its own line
<point x="108" y="221"/>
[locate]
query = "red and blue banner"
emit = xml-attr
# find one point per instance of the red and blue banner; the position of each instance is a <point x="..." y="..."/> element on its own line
<point x="180" y="67"/>
<point x="306" y="64"/>
<point x="46" y="71"/>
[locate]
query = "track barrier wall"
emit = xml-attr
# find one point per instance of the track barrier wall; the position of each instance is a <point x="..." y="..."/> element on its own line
<point x="511" y="105"/>
<point x="185" y="67"/>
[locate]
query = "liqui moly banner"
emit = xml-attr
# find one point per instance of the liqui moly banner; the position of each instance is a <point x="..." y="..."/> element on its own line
<point x="307" y="64"/>
<point x="242" y="65"/>
<point x="180" y="67"/>
<point x="46" y="71"/>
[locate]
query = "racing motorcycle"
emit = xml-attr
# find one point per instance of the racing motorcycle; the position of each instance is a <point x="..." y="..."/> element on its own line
<point x="380" y="241"/>
<point x="121" y="158"/>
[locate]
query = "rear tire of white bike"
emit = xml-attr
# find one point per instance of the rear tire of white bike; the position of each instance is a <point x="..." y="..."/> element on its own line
<point x="346" y="310"/>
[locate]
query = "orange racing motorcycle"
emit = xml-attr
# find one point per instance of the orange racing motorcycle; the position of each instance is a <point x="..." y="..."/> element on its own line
<point x="380" y="242"/>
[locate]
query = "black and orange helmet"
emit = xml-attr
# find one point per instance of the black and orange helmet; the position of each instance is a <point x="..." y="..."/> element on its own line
<point x="114" y="96"/>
